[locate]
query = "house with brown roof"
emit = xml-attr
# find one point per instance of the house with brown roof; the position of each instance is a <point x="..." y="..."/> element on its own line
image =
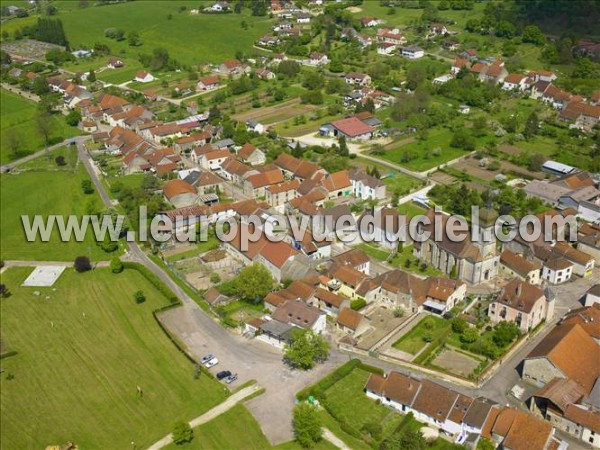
<point x="141" y="76"/>
<point x="582" y="115"/>
<point x="337" y="184"/>
<point x="351" y="128"/>
<point x="456" y="414"/>
<point x="583" y="264"/>
<point x="235" y="171"/>
<point x="515" y="265"/>
<point x="366" y="187"/>
<point x="204" y="182"/>
<point x="299" y="314"/>
<point x="213" y="160"/>
<point x="179" y="193"/>
<point x="249" y="154"/>
<point x="568" y="351"/>
<point x="256" y="185"/>
<point x="515" y="82"/>
<point x="512" y="429"/>
<point x="396" y="288"/>
<point x="293" y="167"/>
<point x="351" y="322"/>
<point x="187" y="143"/>
<point x="274" y="255"/>
<point x="346" y="281"/>
<point x="521" y="303"/>
<point x="278" y="195"/>
<point x="357" y="259"/>
<point x="208" y="83"/>
<point x="329" y="302"/>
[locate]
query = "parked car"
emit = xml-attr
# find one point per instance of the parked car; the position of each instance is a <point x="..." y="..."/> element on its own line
<point x="223" y="374"/>
<point x="206" y="359"/>
<point x="231" y="378"/>
<point x="213" y="362"/>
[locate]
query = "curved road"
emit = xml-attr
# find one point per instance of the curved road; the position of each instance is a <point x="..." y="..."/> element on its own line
<point x="252" y="359"/>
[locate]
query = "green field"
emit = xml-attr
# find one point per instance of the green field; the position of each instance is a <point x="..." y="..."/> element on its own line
<point x="189" y="39"/>
<point x="413" y="341"/>
<point x="421" y="152"/>
<point x="346" y="397"/>
<point x="44" y="193"/>
<point x="17" y="116"/>
<point x="80" y="356"/>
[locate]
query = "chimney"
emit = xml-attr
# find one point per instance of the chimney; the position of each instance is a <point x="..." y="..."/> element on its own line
<point x="519" y="287"/>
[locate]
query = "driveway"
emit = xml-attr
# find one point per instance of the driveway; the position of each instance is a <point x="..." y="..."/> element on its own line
<point x="250" y="359"/>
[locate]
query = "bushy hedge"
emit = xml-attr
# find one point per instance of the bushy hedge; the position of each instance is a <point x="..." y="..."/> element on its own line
<point x="372" y="369"/>
<point x="318" y="390"/>
<point x="154" y="280"/>
<point x="358" y="304"/>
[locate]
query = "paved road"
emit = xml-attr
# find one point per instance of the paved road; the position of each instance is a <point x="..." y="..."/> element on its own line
<point x="21" y="92"/>
<point x="39" y="153"/>
<point x="20" y="263"/>
<point x="85" y="158"/>
<point x="225" y="406"/>
<point x="252" y="359"/>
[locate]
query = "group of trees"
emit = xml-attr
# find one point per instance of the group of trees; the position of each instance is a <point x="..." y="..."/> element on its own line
<point x="47" y="30"/>
<point x="158" y="60"/>
<point x="306" y="350"/>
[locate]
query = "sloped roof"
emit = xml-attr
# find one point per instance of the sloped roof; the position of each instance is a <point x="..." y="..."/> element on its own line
<point x="569" y="348"/>
<point x="521" y="295"/>
<point x="349" y="318"/>
<point x="173" y="188"/>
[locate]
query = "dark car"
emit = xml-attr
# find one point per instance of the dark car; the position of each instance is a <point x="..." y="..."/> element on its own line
<point x="223" y="374"/>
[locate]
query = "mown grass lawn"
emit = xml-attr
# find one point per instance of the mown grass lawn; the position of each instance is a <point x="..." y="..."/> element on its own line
<point x="190" y="39"/>
<point x="431" y="326"/>
<point x="348" y="403"/>
<point x="81" y="355"/>
<point x="18" y="116"/>
<point x="374" y="251"/>
<point x="420" y="153"/>
<point x="236" y="429"/>
<point x="405" y="260"/>
<point x="44" y="193"/>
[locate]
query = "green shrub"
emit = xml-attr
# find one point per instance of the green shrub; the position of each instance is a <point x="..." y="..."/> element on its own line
<point x="358" y="304"/>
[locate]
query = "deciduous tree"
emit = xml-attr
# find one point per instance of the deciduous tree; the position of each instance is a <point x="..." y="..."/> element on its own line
<point x="307" y="425"/>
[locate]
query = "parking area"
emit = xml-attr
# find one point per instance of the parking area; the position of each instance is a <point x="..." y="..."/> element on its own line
<point x="251" y="360"/>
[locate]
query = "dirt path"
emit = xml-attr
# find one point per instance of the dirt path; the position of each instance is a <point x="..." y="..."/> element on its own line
<point x="229" y="403"/>
<point x="329" y="436"/>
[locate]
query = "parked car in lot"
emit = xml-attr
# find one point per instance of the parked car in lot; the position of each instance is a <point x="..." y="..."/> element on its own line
<point x="213" y="362"/>
<point x="231" y="378"/>
<point x="206" y="359"/>
<point x="223" y="374"/>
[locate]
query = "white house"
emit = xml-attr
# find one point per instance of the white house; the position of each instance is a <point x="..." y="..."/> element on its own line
<point x="413" y="52"/>
<point x="515" y="82"/>
<point x="142" y="76"/>
<point x="318" y="59"/>
<point x="386" y="48"/>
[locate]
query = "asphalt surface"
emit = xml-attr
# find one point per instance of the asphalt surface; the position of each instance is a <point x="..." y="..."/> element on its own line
<point x="252" y="359"/>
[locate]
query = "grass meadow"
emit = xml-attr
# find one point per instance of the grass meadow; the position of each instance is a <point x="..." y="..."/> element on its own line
<point x="44" y="193"/>
<point x="81" y="355"/>
<point x="430" y="327"/>
<point x="17" y="115"/>
<point x="191" y="39"/>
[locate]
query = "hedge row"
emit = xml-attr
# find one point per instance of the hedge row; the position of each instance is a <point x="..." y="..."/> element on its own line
<point x="358" y="304"/>
<point x="318" y="389"/>
<point x="372" y="369"/>
<point x="154" y="280"/>
<point x="433" y="346"/>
